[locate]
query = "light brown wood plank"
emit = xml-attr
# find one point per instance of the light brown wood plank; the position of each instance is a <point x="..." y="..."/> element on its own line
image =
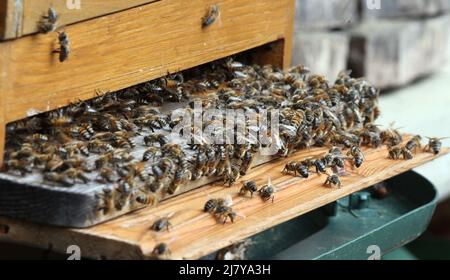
<point x="194" y="233"/>
<point x="33" y="10"/>
<point x="11" y="14"/>
<point x="133" y="46"/>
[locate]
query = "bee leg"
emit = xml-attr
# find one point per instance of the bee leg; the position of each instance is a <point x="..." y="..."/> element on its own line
<point x="273" y="197"/>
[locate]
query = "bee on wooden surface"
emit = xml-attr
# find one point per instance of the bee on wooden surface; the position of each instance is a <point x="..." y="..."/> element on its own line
<point x="161" y="224"/>
<point x="434" y="145"/>
<point x="356" y="155"/>
<point x="395" y="152"/>
<point x="414" y="143"/>
<point x="211" y="16"/>
<point x="333" y="180"/>
<point x="231" y="175"/>
<point x="319" y="165"/>
<point x="122" y="193"/>
<point x="143" y="198"/>
<point x="48" y="22"/>
<point x="212" y="204"/>
<point x="64" y="46"/>
<point x="267" y="191"/>
<point x="407" y="154"/>
<point x="181" y="177"/>
<point x="391" y="136"/>
<point x="223" y="213"/>
<point x="249" y="186"/>
<point x="160" y="250"/>
<point x="105" y="200"/>
<point x="290" y="168"/>
<point x="155" y="138"/>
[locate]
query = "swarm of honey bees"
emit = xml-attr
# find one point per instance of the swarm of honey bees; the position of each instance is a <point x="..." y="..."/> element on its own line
<point x="121" y="139"/>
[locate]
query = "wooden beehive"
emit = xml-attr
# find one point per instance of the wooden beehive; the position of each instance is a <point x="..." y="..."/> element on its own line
<point x="122" y="49"/>
<point x="115" y="51"/>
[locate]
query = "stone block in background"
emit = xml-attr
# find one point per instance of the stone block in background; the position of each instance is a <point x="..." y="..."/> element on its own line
<point x="325" y="14"/>
<point x="392" y="53"/>
<point x="322" y="52"/>
<point x="404" y="8"/>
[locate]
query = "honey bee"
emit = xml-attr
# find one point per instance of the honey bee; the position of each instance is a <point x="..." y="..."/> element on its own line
<point x="407" y="154"/>
<point x="106" y="175"/>
<point x="164" y="167"/>
<point x="153" y="184"/>
<point x="161" y="224"/>
<point x="76" y="174"/>
<point x="151" y="153"/>
<point x="24" y="166"/>
<point x="357" y="156"/>
<point x="105" y="200"/>
<point x="37" y="138"/>
<point x="212" y="204"/>
<point x="155" y="138"/>
<point x="391" y="136"/>
<point x="249" y="186"/>
<point x="211" y="16"/>
<point x="99" y="147"/>
<point x="414" y="143"/>
<point x="223" y="213"/>
<point x="122" y="193"/>
<point x="182" y="177"/>
<point x="64" y="46"/>
<point x="434" y="145"/>
<point x="267" y="191"/>
<point x="333" y="180"/>
<point x="395" y="152"/>
<point x="48" y="22"/>
<point x="60" y="178"/>
<point x="161" y="249"/>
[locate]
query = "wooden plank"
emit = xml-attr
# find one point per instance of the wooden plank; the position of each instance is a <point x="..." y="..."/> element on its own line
<point x="133" y="46"/>
<point x="195" y="233"/>
<point x="68" y="13"/>
<point x="11" y="13"/>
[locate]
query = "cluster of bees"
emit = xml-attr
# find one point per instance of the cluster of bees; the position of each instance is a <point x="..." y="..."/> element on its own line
<point x="98" y="140"/>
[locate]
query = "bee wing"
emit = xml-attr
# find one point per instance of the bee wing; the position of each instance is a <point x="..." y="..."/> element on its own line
<point x="228" y="200"/>
<point x="345" y="73"/>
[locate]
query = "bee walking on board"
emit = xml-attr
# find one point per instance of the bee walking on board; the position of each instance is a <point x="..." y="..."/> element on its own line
<point x="48" y="22"/>
<point x="332" y="181"/>
<point x="211" y="16"/>
<point x="267" y="191"/>
<point x="248" y="187"/>
<point x="434" y="145"/>
<point x="64" y="46"/>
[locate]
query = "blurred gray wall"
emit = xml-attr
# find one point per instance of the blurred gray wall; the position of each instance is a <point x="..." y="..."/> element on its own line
<point x="390" y="42"/>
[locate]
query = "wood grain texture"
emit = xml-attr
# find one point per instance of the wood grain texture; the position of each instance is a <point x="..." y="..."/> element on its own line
<point x="11" y="14"/>
<point x="194" y="233"/>
<point x="133" y="46"/>
<point x="32" y="12"/>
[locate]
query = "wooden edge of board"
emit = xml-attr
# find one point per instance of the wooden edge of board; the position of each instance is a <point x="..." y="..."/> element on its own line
<point x="128" y="237"/>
